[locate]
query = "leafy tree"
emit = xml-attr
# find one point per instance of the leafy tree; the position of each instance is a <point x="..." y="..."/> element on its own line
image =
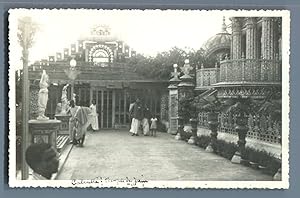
<point x="161" y="66"/>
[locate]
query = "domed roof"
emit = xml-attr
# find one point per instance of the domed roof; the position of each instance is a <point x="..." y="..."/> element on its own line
<point x="219" y="41"/>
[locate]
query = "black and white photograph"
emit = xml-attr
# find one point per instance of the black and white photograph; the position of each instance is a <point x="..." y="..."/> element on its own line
<point x="149" y="98"/>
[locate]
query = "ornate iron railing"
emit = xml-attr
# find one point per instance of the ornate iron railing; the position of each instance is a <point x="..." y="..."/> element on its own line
<point x="207" y="76"/>
<point x="261" y="127"/>
<point x="250" y="70"/>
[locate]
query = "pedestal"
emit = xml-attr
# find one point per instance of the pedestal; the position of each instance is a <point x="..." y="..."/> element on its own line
<point x="213" y="136"/>
<point x="44" y="131"/>
<point x="213" y="126"/>
<point x="64" y="126"/>
<point x="180" y="128"/>
<point x="178" y="136"/>
<point x="173" y="126"/>
<point x="192" y="139"/>
<point x="242" y="129"/>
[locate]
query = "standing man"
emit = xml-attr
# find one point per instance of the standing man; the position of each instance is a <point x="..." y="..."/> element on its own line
<point x="78" y="123"/>
<point x="72" y="110"/>
<point x="94" y="116"/>
<point x="137" y="116"/>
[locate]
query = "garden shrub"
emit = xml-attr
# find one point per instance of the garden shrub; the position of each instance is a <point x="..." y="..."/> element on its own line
<point x="225" y="149"/>
<point x="264" y="159"/>
<point x="228" y="149"/>
<point x="202" y="141"/>
<point x="185" y="135"/>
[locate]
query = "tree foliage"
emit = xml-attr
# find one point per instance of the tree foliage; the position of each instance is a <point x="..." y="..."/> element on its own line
<point x="161" y="66"/>
<point x="186" y="109"/>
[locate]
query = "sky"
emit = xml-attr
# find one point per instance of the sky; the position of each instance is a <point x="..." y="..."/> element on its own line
<point x="147" y="32"/>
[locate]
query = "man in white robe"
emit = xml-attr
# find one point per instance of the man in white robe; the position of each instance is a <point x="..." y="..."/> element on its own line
<point x="94" y="116"/>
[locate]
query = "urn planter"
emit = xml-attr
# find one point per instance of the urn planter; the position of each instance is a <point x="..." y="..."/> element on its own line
<point x="213" y="126"/>
<point x="180" y="128"/>
<point x="192" y="139"/>
<point x="242" y="130"/>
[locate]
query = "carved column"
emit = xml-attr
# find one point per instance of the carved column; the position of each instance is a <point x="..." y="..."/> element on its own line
<point x="251" y="38"/>
<point x="186" y="88"/>
<point x="268" y="38"/>
<point x="173" y="102"/>
<point x="236" y="48"/>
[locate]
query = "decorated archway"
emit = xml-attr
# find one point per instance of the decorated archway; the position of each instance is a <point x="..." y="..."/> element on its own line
<point x="101" y="55"/>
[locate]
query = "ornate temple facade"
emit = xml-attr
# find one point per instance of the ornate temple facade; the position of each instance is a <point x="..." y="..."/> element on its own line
<point x="251" y="54"/>
<point x="96" y="68"/>
<point x="247" y="65"/>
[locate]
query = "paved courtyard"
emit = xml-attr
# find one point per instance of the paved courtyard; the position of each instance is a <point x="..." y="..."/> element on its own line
<point x="117" y="154"/>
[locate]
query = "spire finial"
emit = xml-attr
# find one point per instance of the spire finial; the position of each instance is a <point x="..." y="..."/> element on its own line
<point x="224" y="27"/>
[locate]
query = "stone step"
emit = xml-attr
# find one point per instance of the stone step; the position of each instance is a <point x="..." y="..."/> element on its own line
<point x="61" y="142"/>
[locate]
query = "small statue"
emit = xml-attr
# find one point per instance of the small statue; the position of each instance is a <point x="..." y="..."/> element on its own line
<point x="74" y="98"/>
<point x="43" y="96"/>
<point x="58" y="109"/>
<point x="186" y="68"/>
<point x="64" y="100"/>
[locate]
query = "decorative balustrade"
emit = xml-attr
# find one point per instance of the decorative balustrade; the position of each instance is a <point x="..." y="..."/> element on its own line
<point x="261" y="127"/>
<point x="207" y="76"/>
<point x="250" y="70"/>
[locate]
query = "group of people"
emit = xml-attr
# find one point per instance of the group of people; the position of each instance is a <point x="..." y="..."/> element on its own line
<point x="42" y="158"/>
<point x="141" y="118"/>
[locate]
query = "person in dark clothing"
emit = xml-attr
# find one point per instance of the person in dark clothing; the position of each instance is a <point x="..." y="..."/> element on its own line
<point x="43" y="160"/>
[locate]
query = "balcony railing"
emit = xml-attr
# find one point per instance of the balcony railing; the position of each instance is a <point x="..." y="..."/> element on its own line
<point x="250" y="70"/>
<point x="207" y="76"/>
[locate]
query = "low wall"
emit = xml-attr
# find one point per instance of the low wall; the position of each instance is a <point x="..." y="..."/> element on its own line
<point x="274" y="149"/>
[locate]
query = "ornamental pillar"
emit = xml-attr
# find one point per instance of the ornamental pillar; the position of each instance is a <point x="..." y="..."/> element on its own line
<point x="268" y="38"/>
<point x="173" y="101"/>
<point x="186" y="90"/>
<point x="236" y="43"/>
<point x="186" y="86"/>
<point x="251" y="38"/>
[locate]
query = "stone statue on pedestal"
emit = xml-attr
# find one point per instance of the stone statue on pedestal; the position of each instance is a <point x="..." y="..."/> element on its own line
<point x="43" y="96"/>
<point x="64" y="100"/>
